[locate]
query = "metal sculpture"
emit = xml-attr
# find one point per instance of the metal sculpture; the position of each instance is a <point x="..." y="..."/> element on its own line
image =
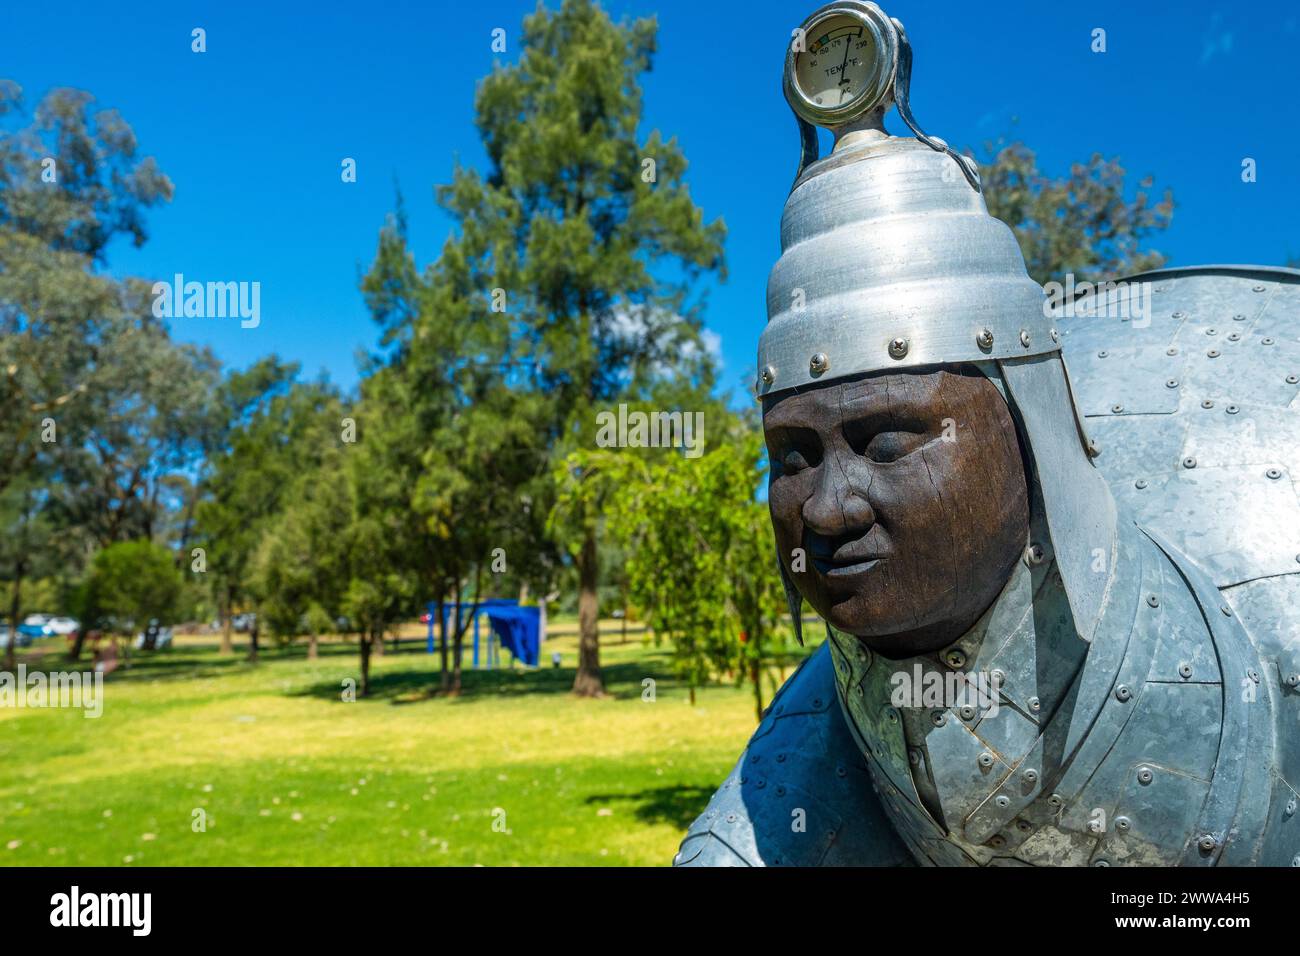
<point x="1063" y="610"/>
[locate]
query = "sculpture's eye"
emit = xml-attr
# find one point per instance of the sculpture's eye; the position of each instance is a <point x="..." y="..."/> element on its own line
<point x="793" y="461"/>
<point x="891" y="446"/>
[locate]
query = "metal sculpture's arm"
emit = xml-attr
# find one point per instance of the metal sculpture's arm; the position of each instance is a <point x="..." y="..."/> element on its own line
<point x="800" y="795"/>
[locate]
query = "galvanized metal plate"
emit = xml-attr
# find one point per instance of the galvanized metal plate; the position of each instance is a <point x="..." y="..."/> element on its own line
<point x="1240" y="394"/>
<point x="1020" y="788"/>
<point x="1143" y="831"/>
<point x="1246" y="371"/>
<point x="1175" y="729"/>
<point x="1133" y="446"/>
<point x="1282" y="831"/>
<point x="1250" y="435"/>
<point x="878" y="728"/>
<point x="1105" y="322"/>
<point x="806" y="760"/>
<point x="1235" y="521"/>
<point x="962" y="780"/>
<point x="1185" y="652"/>
<point x="1126" y="380"/>
<point x="1266" y="607"/>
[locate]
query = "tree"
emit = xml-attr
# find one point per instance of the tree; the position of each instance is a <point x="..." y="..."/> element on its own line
<point x="1082" y="223"/>
<point x="26" y="537"/>
<point x="98" y="407"/>
<point x="756" y="594"/>
<point x="130" y="584"/>
<point x="123" y="462"/>
<point x="377" y="592"/>
<point x="700" y="547"/>
<point x="277" y="430"/>
<point x="584" y="236"/>
<point x="69" y="183"/>
<point x="302" y="566"/>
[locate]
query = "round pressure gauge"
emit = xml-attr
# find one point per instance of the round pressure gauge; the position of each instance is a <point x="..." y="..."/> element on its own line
<point x="841" y="63"/>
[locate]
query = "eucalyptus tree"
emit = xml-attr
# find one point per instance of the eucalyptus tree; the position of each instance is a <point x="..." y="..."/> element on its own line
<point x="278" y="430"/>
<point x="70" y="182"/>
<point x="582" y="238"/>
<point x="1083" y="223"/>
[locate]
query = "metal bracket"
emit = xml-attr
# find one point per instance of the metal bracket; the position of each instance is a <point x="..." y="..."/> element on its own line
<point x="808" y="147"/>
<point x="902" y="84"/>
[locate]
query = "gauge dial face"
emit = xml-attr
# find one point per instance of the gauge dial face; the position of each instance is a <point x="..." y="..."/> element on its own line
<point x="839" y="65"/>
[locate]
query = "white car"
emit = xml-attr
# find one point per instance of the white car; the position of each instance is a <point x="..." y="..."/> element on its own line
<point x="63" y="626"/>
<point x="164" y="639"/>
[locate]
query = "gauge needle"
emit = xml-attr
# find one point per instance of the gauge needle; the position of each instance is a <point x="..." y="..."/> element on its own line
<point x="844" y="79"/>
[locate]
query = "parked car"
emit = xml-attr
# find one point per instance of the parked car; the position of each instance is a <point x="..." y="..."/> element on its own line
<point x="243" y="623"/>
<point x="46" y="625"/>
<point x="63" y="626"/>
<point x="35" y="625"/>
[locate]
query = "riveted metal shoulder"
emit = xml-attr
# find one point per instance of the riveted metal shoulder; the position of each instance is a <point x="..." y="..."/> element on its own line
<point x="1189" y="380"/>
<point x="800" y="794"/>
<point x="1232" y="819"/>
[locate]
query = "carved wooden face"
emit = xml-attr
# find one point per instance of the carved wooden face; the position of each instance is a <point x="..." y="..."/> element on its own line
<point x="899" y="501"/>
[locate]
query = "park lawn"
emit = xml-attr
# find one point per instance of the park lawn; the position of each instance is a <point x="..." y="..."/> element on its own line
<point x="286" y="772"/>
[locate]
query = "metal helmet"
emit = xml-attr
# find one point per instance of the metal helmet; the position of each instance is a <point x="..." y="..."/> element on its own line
<point x="890" y="261"/>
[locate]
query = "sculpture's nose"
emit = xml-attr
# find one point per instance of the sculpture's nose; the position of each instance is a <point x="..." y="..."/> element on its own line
<point x="839" y="505"/>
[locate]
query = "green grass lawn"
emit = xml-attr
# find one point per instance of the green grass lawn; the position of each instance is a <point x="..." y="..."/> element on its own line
<point x="287" y="773"/>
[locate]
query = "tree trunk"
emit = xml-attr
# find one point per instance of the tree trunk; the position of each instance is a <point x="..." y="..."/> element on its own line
<point x="588" y="682"/>
<point x="227" y="625"/>
<point x="15" y="607"/>
<point x="444" y="683"/>
<point x="313" y="644"/>
<point x="187" y="525"/>
<point x="78" y="642"/>
<point x="458" y="638"/>
<point x="252" y="641"/>
<point x="365" y="665"/>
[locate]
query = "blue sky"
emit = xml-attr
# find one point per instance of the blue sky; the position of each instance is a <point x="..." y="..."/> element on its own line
<point x="253" y="131"/>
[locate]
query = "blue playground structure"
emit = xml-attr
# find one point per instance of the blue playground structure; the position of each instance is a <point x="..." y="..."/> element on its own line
<point x="517" y="629"/>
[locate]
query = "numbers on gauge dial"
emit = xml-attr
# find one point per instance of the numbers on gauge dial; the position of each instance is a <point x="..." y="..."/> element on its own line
<point x="837" y="65"/>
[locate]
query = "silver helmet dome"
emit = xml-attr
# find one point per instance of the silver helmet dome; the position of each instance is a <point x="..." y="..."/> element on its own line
<point x="891" y="261"/>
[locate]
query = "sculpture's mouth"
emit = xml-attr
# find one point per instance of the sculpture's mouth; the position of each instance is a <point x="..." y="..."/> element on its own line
<point x="845" y="557"/>
<point x="846" y="570"/>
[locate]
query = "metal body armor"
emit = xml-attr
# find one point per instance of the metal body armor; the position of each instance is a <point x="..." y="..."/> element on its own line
<point x="1176" y="739"/>
<point x="1146" y="652"/>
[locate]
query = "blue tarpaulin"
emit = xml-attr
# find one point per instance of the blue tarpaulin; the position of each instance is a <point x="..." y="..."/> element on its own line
<point x="517" y="628"/>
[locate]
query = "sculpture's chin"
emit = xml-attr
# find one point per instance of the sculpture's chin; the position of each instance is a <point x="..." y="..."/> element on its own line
<point x="886" y="634"/>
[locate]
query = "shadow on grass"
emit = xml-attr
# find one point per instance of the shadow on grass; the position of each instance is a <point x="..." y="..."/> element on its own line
<point x="678" y="806"/>
<point x="622" y="681"/>
<point x="185" y="662"/>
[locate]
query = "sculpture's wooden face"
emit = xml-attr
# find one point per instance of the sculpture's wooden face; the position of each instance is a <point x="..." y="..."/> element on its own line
<point x="899" y="501"/>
